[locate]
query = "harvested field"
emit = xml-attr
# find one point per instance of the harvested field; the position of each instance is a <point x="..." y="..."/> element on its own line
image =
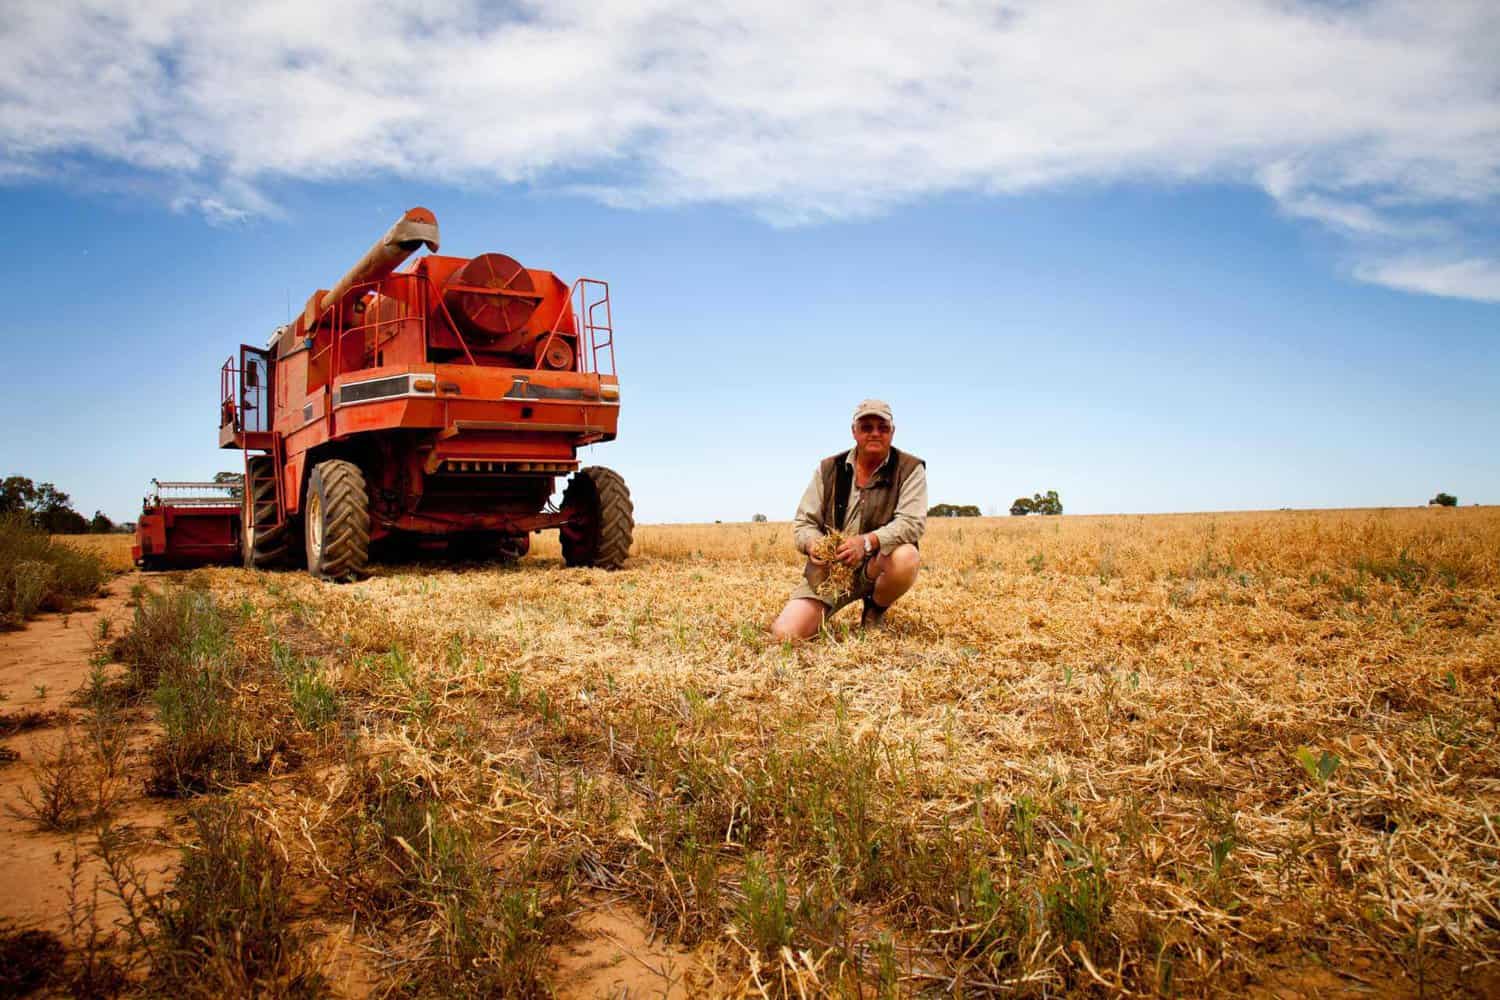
<point x="1189" y="755"/>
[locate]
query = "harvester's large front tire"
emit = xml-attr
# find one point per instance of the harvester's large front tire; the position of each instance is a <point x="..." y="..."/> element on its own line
<point x="336" y="521"/>
<point x="263" y="542"/>
<point x="602" y="524"/>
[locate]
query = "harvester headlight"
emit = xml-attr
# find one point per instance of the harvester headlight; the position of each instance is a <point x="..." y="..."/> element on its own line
<point x="609" y="391"/>
<point x="423" y="385"/>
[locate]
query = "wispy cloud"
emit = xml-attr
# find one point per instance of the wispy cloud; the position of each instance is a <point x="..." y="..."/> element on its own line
<point x="1465" y="279"/>
<point x="1379" y="120"/>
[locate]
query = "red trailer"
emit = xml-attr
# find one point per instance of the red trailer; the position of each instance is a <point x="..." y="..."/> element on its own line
<point x="188" y="524"/>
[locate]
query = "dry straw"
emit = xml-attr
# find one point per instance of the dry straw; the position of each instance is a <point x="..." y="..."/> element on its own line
<point x="836" y="578"/>
<point x="1184" y="754"/>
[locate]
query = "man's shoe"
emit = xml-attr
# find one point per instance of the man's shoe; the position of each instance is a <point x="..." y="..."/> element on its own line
<point x="873" y="617"/>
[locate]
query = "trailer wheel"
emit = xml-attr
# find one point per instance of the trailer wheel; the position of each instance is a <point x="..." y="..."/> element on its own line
<point x="337" y="521"/>
<point x="602" y="521"/>
<point x="263" y="541"/>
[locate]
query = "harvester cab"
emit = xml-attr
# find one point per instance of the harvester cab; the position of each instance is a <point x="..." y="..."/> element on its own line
<point x="439" y="402"/>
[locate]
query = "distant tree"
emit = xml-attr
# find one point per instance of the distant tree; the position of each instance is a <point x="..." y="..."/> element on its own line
<point x="16" y="494"/>
<point x="953" y="510"/>
<point x="48" y="507"/>
<point x="1443" y="500"/>
<point x="235" y="480"/>
<point x="100" y="524"/>
<point x="63" y="521"/>
<point x="760" y="518"/>
<point x="1048" y="503"/>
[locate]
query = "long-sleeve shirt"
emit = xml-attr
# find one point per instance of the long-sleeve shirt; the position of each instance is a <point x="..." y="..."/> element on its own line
<point x="907" y="525"/>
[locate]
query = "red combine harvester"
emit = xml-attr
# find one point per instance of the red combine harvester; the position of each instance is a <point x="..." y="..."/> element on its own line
<point x="187" y="524"/>
<point x="440" y="402"/>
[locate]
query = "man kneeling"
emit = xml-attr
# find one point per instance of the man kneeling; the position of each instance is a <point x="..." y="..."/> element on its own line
<point x="877" y="497"/>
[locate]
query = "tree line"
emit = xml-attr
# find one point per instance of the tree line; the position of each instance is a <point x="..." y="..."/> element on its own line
<point x="48" y="508"/>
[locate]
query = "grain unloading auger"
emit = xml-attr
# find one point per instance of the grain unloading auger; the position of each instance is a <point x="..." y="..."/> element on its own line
<point x="439" y="402"/>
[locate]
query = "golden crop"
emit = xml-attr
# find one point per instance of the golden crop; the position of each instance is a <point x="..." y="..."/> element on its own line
<point x="113" y="549"/>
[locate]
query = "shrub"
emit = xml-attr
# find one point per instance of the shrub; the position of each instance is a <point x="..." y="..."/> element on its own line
<point x="226" y="927"/>
<point x="38" y="574"/>
<point x="953" y="510"/>
<point x="167" y="634"/>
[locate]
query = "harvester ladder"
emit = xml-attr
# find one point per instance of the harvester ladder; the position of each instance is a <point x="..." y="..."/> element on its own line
<point x="278" y="497"/>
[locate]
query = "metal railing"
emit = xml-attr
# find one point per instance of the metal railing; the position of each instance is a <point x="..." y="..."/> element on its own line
<point x="209" y="494"/>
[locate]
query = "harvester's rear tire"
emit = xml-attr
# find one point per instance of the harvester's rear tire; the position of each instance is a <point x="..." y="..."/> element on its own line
<point x="336" y="521"/>
<point x="263" y="542"/>
<point x="602" y="524"/>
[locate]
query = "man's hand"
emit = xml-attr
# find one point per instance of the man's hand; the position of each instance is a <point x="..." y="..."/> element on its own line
<point x="812" y="556"/>
<point x="854" y="550"/>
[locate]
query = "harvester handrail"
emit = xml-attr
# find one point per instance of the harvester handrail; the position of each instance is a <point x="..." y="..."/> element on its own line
<point x="584" y="326"/>
<point x="431" y="286"/>
<point x="338" y="330"/>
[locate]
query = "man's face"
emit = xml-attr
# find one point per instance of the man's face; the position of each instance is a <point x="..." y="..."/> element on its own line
<point x="872" y="435"/>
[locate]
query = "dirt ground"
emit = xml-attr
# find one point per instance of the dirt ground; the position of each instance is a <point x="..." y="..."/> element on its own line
<point x="41" y="668"/>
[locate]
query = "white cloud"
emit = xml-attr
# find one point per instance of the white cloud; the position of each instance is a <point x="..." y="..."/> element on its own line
<point x="1380" y="119"/>
<point x="1465" y="279"/>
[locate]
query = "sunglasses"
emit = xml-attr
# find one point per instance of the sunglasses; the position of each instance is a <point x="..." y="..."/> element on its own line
<point x="873" y="427"/>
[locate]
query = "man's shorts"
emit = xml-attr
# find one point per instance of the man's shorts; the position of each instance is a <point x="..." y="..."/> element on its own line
<point x="863" y="587"/>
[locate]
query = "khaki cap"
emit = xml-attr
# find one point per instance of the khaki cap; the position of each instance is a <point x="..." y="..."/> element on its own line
<point x="874" y="408"/>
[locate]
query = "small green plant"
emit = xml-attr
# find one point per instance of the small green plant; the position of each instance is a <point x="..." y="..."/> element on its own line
<point x="1078" y="903"/>
<point x="1219" y="851"/>
<point x="1024" y="811"/>
<point x="200" y="749"/>
<point x="1037" y="561"/>
<point x="766" y="918"/>
<point x="314" y="701"/>
<point x="1318" y="767"/>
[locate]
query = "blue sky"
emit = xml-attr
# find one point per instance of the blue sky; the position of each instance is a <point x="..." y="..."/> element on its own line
<point x="1202" y="280"/>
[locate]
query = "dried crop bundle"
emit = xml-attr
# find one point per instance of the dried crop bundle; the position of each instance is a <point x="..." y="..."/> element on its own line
<point x="836" y="579"/>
